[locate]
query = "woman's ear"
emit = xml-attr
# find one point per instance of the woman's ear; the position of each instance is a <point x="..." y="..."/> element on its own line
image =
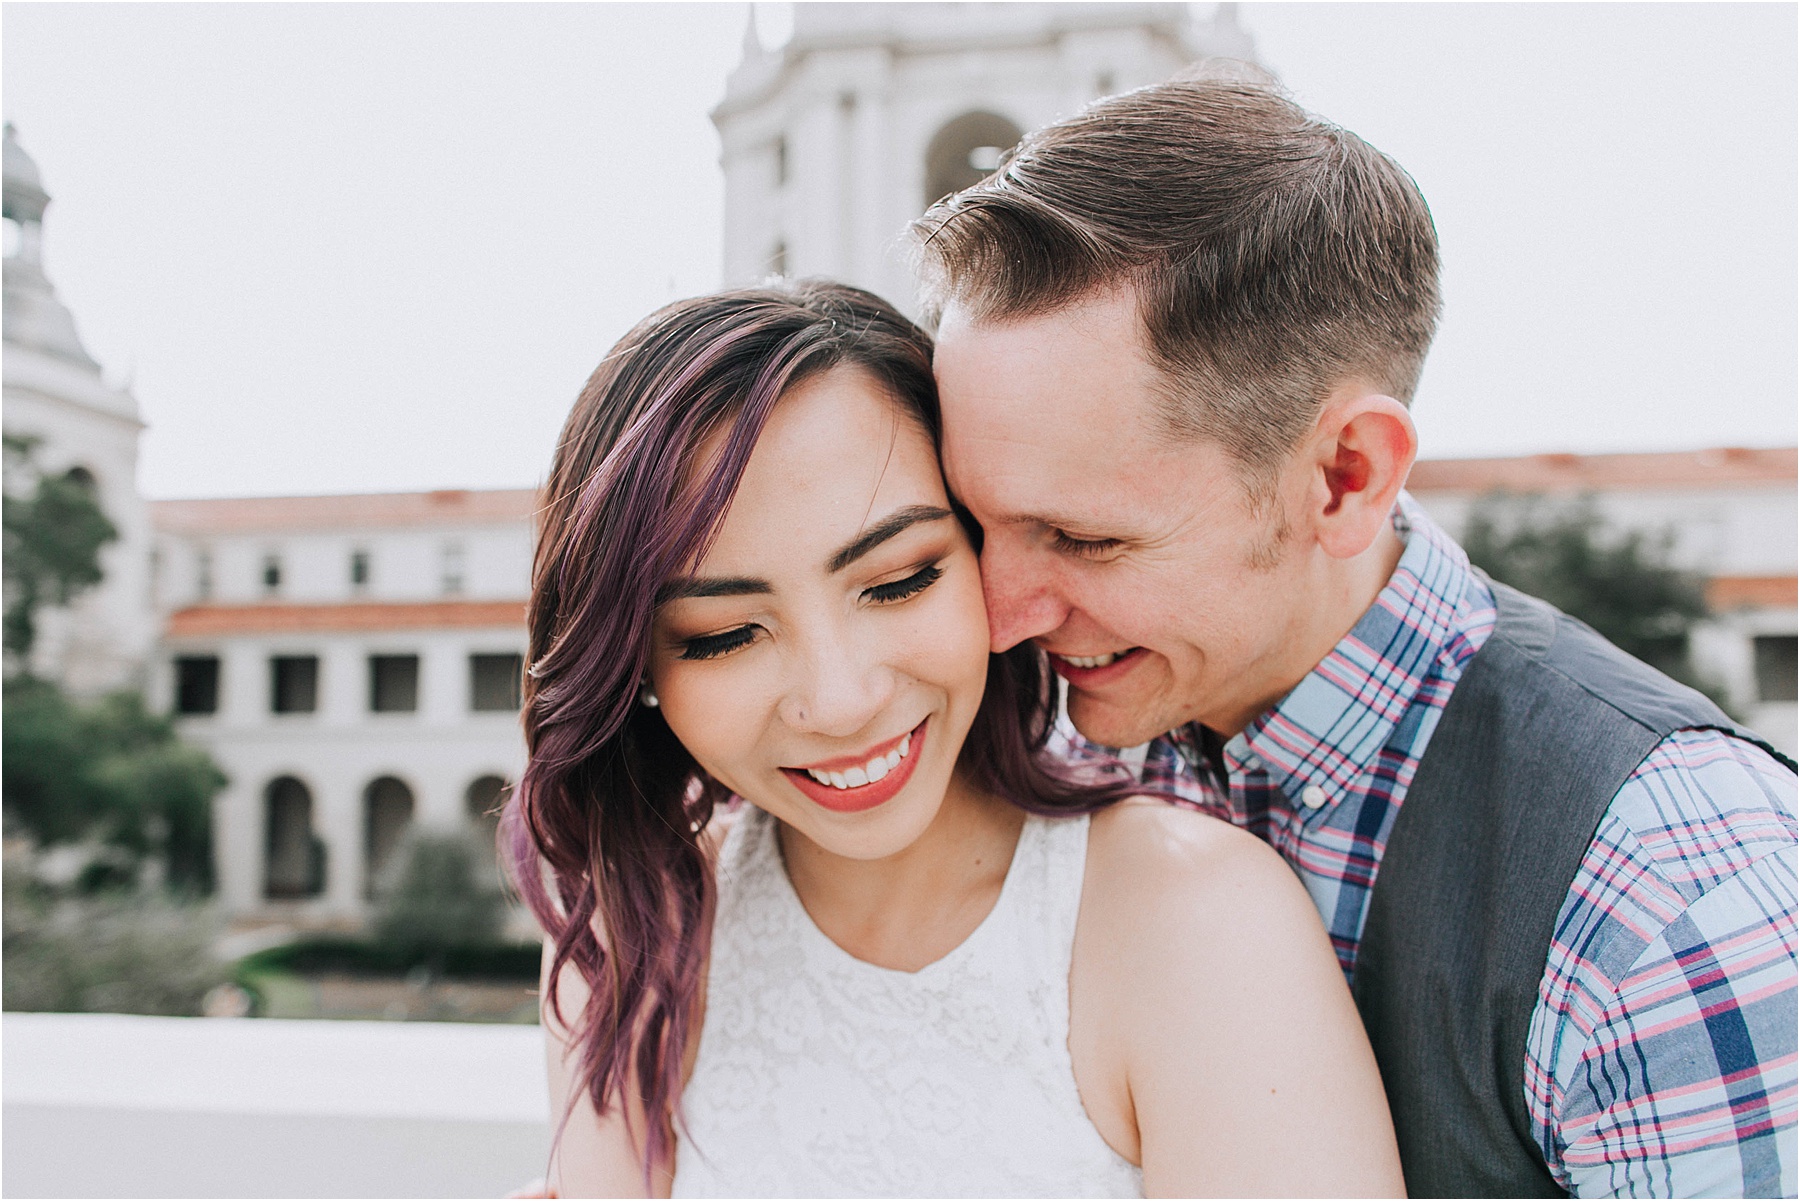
<point x="1364" y="446"/>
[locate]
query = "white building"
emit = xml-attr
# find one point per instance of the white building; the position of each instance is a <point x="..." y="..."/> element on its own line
<point x="84" y="428"/>
<point x="870" y="112"/>
<point x="353" y="664"/>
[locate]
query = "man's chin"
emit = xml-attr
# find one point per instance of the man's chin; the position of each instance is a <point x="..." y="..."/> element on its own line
<point x="1108" y="725"/>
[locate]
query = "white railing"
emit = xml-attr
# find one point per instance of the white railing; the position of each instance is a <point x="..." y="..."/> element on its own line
<point x="106" y="1105"/>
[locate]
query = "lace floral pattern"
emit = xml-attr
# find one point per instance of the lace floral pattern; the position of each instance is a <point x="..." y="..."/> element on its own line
<point x="821" y="1075"/>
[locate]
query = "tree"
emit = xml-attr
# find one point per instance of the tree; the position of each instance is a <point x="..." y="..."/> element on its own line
<point x="53" y="536"/>
<point x="1621" y="583"/>
<point x="110" y="772"/>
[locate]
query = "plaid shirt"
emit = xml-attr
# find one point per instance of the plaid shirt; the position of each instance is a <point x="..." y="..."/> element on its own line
<point x="1661" y="1055"/>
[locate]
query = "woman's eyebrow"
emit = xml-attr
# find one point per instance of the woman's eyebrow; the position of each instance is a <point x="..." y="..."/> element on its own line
<point x="685" y="587"/>
<point x="689" y="587"/>
<point x="881" y="531"/>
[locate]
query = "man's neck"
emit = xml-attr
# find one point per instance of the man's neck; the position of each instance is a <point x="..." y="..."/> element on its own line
<point x="1340" y="593"/>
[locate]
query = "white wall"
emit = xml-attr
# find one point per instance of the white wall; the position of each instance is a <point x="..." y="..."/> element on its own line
<point x="104" y="1105"/>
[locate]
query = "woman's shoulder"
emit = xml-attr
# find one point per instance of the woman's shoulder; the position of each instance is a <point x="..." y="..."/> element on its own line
<point x="1176" y="845"/>
<point x="1153" y="866"/>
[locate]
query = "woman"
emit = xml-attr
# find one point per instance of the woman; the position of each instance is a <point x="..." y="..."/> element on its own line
<point x="916" y="965"/>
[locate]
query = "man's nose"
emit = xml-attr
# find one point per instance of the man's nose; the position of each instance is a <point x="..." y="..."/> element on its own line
<point x="838" y="688"/>
<point x="1022" y="597"/>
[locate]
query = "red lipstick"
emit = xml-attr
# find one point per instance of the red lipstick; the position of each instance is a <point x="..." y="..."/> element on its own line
<point x="866" y="796"/>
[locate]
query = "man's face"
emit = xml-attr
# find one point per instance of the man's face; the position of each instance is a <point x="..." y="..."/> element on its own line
<point x="1137" y="561"/>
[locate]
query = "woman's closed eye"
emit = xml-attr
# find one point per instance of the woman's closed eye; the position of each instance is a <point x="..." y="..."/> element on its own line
<point x="899" y="590"/>
<point x="711" y="646"/>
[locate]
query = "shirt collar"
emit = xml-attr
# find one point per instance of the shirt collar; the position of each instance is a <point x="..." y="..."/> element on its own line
<point x="1327" y="732"/>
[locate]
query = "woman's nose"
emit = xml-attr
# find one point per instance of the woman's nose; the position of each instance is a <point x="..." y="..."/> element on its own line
<point x="838" y="688"/>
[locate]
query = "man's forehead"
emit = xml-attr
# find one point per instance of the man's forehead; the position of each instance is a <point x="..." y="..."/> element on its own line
<point x="1103" y="313"/>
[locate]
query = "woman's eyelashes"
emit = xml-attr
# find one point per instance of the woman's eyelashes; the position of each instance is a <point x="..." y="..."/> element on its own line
<point x="912" y="585"/>
<point x="711" y="646"/>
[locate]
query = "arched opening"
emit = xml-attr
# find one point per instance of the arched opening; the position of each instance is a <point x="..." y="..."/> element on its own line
<point x="84" y="479"/>
<point x="294" y="858"/>
<point x="481" y="803"/>
<point x="387" y="812"/>
<point x="965" y="151"/>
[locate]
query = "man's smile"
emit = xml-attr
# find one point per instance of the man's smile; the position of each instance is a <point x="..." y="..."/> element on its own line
<point x="1090" y="670"/>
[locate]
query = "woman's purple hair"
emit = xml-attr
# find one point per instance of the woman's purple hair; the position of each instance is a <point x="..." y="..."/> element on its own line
<point x="611" y="805"/>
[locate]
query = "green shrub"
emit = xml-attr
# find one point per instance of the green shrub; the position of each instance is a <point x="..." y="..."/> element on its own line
<point x="111" y="953"/>
<point x="319" y="954"/>
<point x="437" y="899"/>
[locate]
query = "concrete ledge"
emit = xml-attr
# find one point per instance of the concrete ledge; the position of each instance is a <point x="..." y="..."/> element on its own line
<point x="106" y="1105"/>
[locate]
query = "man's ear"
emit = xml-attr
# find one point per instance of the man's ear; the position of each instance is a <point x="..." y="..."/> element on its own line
<point x="1363" y="444"/>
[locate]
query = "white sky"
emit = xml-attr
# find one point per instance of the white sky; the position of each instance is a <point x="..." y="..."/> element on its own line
<point x="370" y="248"/>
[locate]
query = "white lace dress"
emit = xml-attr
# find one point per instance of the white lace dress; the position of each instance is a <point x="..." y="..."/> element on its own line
<point x="821" y="1075"/>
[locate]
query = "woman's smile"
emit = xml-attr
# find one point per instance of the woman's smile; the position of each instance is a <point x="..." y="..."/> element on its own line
<point x="851" y="785"/>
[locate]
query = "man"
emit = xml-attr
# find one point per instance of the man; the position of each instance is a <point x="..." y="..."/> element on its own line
<point x="1178" y="334"/>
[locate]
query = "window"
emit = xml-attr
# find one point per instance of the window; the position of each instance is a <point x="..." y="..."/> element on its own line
<point x="393" y="683"/>
<point x="483" y="798"/>
<point x="494" y="682"/>
<point x="271" y="573"/>
<point x="197" y="684"/>
<point x="294" y="857"/>
<point x="451" y="576"/>
<point x="359" y="569"/>
<point x="294" y="683"/>
<point x="1775" y="667"/>
<point x="203" y="575"/>
<point x="481" y="802"/>
<point x="965" y="151"/>
<point x="387" y="812"/>
<point x="781" y="162"/>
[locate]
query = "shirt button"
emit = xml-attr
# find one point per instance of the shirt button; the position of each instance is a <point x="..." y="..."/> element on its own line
<point x="1312" y="796"/>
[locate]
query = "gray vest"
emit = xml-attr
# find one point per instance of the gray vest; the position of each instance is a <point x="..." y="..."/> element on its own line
<point x="1546" y="724"/>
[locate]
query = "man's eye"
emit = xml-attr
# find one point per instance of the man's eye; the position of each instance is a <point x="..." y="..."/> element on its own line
<point x="912" y="585"/>
<point x="1082" y="547"/>
<point x="711" y="646"/>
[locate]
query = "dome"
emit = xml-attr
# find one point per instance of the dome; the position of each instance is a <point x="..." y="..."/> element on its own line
<point x="25" y="197"/>
<point x="33" y="316"/>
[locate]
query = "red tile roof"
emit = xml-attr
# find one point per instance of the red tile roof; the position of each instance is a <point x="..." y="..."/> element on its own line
<point x="260" y="514"/>
<point x="1727" y="592"/>
<point x="201" y="621"/>
<point x="1730" y="466"/>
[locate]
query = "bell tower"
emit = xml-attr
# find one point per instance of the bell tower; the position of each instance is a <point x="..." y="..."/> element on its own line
<point x="870" y="112"/>
<point x="86" y="430"/>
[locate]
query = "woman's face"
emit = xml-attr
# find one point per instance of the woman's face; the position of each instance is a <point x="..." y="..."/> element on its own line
<point x="826" y="657"/>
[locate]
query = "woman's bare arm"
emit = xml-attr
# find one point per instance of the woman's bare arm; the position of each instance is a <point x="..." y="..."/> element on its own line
<point x="597" y="1157"/>
<point x="1213" y="1032"/>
